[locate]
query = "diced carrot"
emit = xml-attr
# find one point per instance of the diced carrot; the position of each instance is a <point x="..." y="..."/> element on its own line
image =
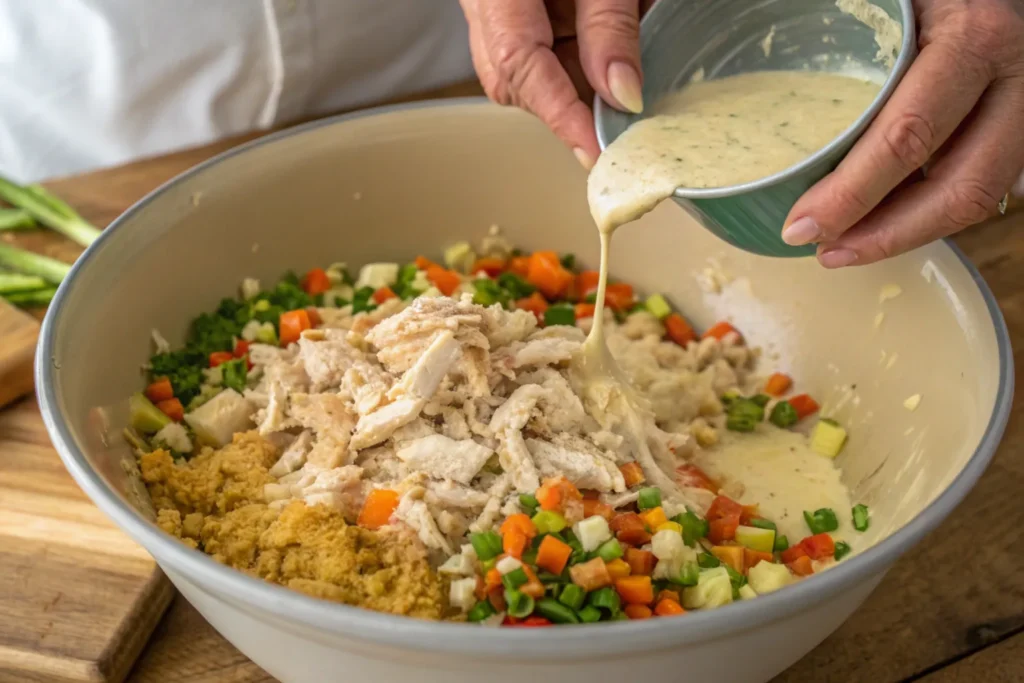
<point x="535" y="303"/>
<point x="618" y="568"/>
<point x="801" y="566"/>
<point x="316" y="282"/>
<point x="723" y="529"/>
<point x="496" y="596"/>
<point x="553" y="554"/>
<point x="638" y="611"/>
<point x="819" y="546"/>
<point x="591" y="575"/>
<point x="654" y="517"/>
<point x="547" y="274"/>
<point x="380" y="504"/>
<point x="514" y="542"/>
<point x="160" y="389"/>
<point x="291" y="324"/>
<point x="804" y="405"/>
<point x="172" y="408"/>
<point x="629" y="528"/>
<point x="314" y="316"/>
<point x="633" y="474"/>
<point x="584" y="310"/>
<point x="678" y="330"/>
<point x="666" y="594"/>
<point x="635" y="590"/>
<point x="749" y="512"/>
<point x="694" y="477"/>
<point x="490" y="265"/>
<point x="722" y="507"/>
<point x="720" y="329"/>
<point x="590" y="494"/>
<point x="731" y="555"/>
<point x="521" y="522"/>
<point x="533" y="587"/>
<point x="668" y="608"/>
<point x="777" y="384"/>
<point x="752" y="557"/>
<point x="519" y="265"/>
<point x="218" y="357"/>
<point x="480" y="591"/>
<point x="619" y="296"/>
<point x="492" y="579"/>
<point x="586" y="283"/>
<point x="423" y="263"/>
<point x="447" y="281"/>
<point x="641" y="562"/>
<point x="792" y="554"/>
<point x="593" y="508"/>
<point x="556" y="492"/>
<point x="383" y="294"/>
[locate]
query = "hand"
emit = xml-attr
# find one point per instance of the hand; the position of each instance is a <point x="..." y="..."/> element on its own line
<point x="545" y="55"/>
<point x="958" y="113"/>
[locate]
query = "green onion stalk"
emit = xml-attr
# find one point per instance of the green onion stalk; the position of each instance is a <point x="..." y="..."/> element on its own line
<point x="16" y="219"/>
<point x="47" y="209"/>
<point x="28" y="263"/>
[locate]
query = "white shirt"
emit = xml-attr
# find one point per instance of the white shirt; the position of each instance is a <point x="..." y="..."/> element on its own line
<point x="93" y="83"/>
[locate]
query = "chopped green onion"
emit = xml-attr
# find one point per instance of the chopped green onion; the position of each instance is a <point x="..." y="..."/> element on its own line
<point x="590" y="298"/>
<point x="605" y="598"/>
<point x="708" y="561"/>
<point x="38" y="297"/>
<point x="828" y="421"/>
<point x="610" y="550"/>
<point x="16" y="219"/>
<point x="861" y="519"/>
<point x="590" y="614"/>
<point x="553" y="590"/>
<point x="729" y="397"/>
<point x="488" y="565"/>
<point x="762" y="523"/>
<point x="556" y="611"/>
<point x="487" y="545"/>
<point x="362" y="300"/>
<point x="519" y="604"/>
<point x="548" y="577"/>
<point x="13" y="283"/>
<point x="781" y="543"/>
<point x="529" y="503"/>
<point x="689" y="574"/>
<point x="637" y="307"/>
<point x="572" y="596"/>
<point x="530" y="556"/>
<point x="515" y="578"/>
<point x="481" y="611"/>
<point x="549" y="521"/>
<point x="783" y="415"/>
<point x="489" y="293"/>
<point x="560" y="314"/>
<point x="619" y="616"/>
<point x="737" y="579"/>
<point x="649" y="498"/>
<point x="842" y="550"/>
<point x="516" y="286"/>
<point x="821" y="521"/>
<point x="694" y="527"/>
<point x="29" y="263"/>
<point x="744" y="415"/>
<point x="49" y="210"/>
<point x="569" y="261"/>
<point x="234" y="374"/>
<point x="760" y="399"/>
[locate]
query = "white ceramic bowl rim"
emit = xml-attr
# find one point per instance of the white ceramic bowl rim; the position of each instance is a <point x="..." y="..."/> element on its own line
<point x="605" y="640"/>
<point x="829" y="151"/>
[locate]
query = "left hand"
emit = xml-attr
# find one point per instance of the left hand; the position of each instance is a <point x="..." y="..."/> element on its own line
<point x="960" y="111"/>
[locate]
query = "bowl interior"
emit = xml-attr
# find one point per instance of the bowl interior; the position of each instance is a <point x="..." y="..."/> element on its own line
<point x="392" y="186"/>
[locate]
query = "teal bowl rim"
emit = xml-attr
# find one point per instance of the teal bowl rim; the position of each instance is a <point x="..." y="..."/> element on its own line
<point x="833" y="151"/>
<point x="296" y="611"/>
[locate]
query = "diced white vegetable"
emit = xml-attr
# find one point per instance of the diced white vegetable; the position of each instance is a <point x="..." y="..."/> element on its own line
<point x="174" y="437"/>
<point x="667" y="545"/>
<point x="267" y="334"/>
<point x="377" y="275"/>
<point x="216" y="421"/>
<point x="672" y="567"/>
<point x="332" y="295"/>
<point x="251" y="329"/>
<point x="459" y="257"/>
<point x="461" y="593"/>
<point x="459" y="565"/>
<point x="592" y="532"/>
<point x="713" y="589"/>
<point x="746" y="592"/>
<point x="213" y="377"/>
<point x="765" y="577"/>
<point x="827" y="438"/>
<point x="336" y="272"/>
<point x="274" y="491"/>
<point x="250" y="288"/>
<point x="420" y="282"/>
<point x="912" y="402"/>
<point x="160" y="344"/>
<point x="432" y="292"/>
<point x="507" y="564"/>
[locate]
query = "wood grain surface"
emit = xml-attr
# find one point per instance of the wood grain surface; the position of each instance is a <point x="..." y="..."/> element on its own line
<point x="952" y="609"/>
<point x="18" y="332"/>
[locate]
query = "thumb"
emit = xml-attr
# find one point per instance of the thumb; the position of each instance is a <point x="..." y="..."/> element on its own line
<point x="608" y="32"/>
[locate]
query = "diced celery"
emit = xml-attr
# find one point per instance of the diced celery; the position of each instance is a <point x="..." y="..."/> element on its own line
<point x="828" y="438"/>
<point x="657" y="305"/>
<point x="145" y="417"/>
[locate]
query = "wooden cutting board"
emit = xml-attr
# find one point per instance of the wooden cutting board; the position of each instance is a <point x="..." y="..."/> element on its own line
<point x="18" y="334"/>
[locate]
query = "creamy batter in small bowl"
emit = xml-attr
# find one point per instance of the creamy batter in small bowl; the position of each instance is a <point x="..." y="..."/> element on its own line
<point x="683" y="42"/>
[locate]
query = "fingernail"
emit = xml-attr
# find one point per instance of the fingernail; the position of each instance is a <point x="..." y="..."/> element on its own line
<point x="624" y="82"/>
<point x="837" y="258"/>
<point x="583" y="158"/>
<point x="801" y="231"/>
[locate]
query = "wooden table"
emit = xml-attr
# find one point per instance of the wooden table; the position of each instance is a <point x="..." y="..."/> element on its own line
<point x="951" y="610"/>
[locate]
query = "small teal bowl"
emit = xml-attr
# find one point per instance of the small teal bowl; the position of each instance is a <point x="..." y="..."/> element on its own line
<point x="679" y="38"/>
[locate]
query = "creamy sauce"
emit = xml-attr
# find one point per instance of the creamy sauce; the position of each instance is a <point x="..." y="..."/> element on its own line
<point x="714" y="134"/>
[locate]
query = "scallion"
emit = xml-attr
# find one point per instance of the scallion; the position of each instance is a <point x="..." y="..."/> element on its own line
<point x="762" y="523"/>
<point x="821" y="521"/>
<point x="556" y="611"/>
<point x="605" y="598"/>
<point x="737" y="579"/>
<point x="781" y="543"/>
<point x="560" y="314"/>
<point x="49" y="210"/>
<point x="569" y="261"/>
<point x="29" y="263"/>
<point x="487" y="544"/>
<point x="572" y="596"/>
<point x="530" y="556"/>
<point x="842" y="550"/>
<point x="649" y="498"/>
<point x="688" y="575"/>
<point x="529" y="503"/>
<point x="610" y="550"/>
<point x="519" y="604"/>
<point x="481" y="611"/>
<point x="743" y="415"/>
<point x="515" y="578"/>
<point x="549" y="521"/>
<point x="783" y="415"/>
<point x="517" y="287"/>
<point x="16" y="219"/>
<point x="589" y="614"/>
<point x="694" y="527"/>
<point x="760" y="400"/>
<point x="708" y="561"/>
<point x="861" y="518"/>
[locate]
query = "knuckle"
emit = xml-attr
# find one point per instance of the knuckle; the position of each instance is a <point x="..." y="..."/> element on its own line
<point x="967" y="202"/>
<point x="850" y="202"/>
<point x="612" y="19"/>
<point x="910" y="139"/>
<point x="984" y="36"/>
<point x="513" y="63"/>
